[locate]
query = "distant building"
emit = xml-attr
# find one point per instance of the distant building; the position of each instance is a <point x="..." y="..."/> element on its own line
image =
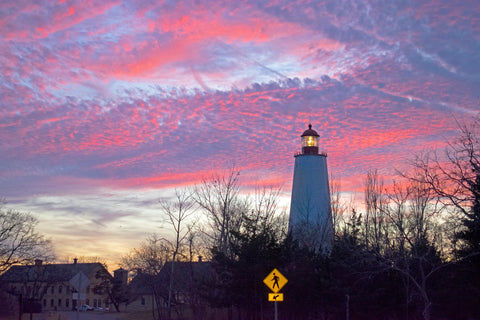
<point x="188" y="279"/>
<point x="143" y="294"/>
<point x="150" y="292"/>
<point x="310" y="221"/>
<point x="48" y="287"/>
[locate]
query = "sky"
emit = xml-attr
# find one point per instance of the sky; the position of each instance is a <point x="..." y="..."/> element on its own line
<point x="105" y="106"/>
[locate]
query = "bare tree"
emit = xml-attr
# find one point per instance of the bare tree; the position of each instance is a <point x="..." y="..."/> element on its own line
<point x="401" y="229"/>
<point x="147" y="261"/>
<point x="374" y="220"/>
<point x="455" y="181"/>
<point x="20" y="243"/>
<point x="338" y="209"/>
<point x="414" y="239"/>
<point x="178" y="211"/>
<point x="219" y="198"/>
<point x="150" y="257"/>
<point x="263" y="212"/>
<point x="452" y="180"/>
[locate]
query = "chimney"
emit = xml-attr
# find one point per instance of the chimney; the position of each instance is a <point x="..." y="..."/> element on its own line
<point x="38" y="262"/>
<point x="199" y="258"/>
<point x="121" y="276"/>
<point x="75" y="260"/>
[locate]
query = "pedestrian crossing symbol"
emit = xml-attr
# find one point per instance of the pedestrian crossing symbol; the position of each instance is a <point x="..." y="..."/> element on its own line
<point x="275" y="280"/>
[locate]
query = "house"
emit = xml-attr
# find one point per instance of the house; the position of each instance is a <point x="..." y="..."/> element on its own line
<point x="188" y="280"/>
<point x="151" y="292"/>
<point x="142" y="291"/>
<point x="61" y="287"/>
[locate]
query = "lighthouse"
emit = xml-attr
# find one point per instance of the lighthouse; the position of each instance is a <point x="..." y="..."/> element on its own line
<point x="310" y="221"/>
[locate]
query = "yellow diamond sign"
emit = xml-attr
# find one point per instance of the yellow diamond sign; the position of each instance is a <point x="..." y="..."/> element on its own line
<point x="275" y="280"/>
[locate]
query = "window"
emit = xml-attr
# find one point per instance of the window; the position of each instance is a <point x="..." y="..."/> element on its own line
<point x="94" y="303"/>
<point x="44" y="302"/>
<point x="59" y="302"/>
<point x="87" y="301"/>
<point x="143" y="301"/>
<point x="60" y="289"/>
<point x="309" y="141"/>
<point x="88" y="289"/>
<point x="51" y="303"/>
<point x="100" y="303"/>
<point x="52" y="290"/>
<point x="67" y="303"/>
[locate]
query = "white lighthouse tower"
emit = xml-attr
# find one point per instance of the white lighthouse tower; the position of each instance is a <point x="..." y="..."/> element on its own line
<point x="310" y="220"/>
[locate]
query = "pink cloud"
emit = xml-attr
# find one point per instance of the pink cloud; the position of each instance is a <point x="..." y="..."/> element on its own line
<point x="44" y="20"/>
<point x="181" y="38"/>
<point x="385" y="92"/>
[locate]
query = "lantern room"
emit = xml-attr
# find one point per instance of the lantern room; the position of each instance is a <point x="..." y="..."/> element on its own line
<point x="310" y="141"/>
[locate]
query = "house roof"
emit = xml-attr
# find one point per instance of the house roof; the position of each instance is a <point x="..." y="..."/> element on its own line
<point x="185" y="270"/>
<point x="49" y="272"/>
<point x="186" y="275"/>
<point x="142" y="284"/>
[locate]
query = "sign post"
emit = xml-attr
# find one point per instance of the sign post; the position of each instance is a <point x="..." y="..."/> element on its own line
<point x="275" y="281"/>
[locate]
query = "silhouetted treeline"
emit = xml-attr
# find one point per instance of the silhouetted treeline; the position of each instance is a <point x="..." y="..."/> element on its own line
<point x="412" y="251"/>
<point x="352" y="283"/>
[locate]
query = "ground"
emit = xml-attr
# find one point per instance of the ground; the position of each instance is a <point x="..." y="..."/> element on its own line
<point x="70" y="315"/>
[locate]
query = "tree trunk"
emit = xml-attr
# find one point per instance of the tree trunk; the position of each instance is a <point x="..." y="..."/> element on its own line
<point x="426" y="310"/>
<point x="170" y="289"/>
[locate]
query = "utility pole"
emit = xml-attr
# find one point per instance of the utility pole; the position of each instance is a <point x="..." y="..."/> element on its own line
<point x="276" y="310"/>
<point x="347" y="307"/>
<point x="20" y="306"/>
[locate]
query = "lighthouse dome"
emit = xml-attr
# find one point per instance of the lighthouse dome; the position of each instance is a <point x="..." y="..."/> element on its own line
<point x="310" y="132"/>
